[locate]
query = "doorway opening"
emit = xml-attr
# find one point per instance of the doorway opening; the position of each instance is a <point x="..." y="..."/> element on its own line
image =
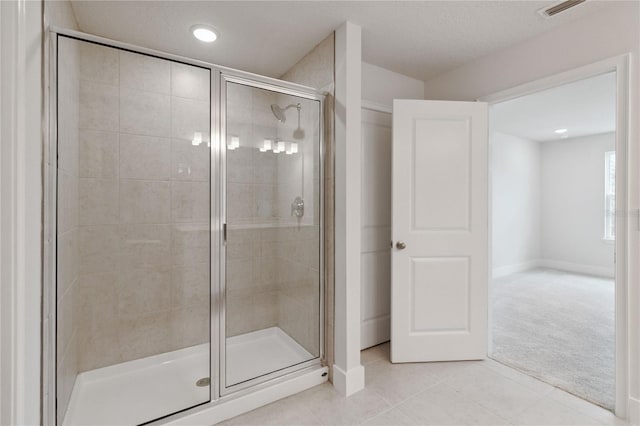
<point x="553" y="236"/>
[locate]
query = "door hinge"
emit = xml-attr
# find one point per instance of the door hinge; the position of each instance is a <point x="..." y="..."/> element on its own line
<point x="224" y="233"/>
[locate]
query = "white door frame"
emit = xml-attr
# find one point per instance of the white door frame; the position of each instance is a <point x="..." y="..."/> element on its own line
<point x="619" y="65"/>
<point x="21" y="162"/>
<point x="375" y="330"/>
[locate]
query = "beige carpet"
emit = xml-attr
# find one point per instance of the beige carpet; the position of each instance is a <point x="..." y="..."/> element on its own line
<point x="559" y="327"/>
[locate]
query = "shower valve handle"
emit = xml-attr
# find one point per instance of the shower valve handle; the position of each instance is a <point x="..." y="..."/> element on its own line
<point x="297" y="207"/>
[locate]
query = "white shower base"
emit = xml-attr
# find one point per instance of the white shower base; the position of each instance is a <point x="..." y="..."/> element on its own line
<point x="137" y="391"/>
<point x="261" y="352"/>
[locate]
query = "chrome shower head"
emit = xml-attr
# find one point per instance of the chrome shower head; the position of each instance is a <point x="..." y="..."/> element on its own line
<point x="279" y="112"/>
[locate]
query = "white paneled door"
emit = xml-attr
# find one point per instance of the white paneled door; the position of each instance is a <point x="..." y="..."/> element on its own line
<point x="439" y="222"/>
<point x="375" y="264"/>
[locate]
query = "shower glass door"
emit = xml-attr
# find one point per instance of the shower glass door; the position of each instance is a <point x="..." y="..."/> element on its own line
<point x="133" y="235"/>
<point x="272" y="284"/>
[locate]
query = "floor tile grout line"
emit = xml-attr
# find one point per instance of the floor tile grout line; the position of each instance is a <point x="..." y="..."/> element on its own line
<point x="393" y="406"/>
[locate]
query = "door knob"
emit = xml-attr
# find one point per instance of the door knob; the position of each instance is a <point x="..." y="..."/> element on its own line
<point x="400" y="245"/>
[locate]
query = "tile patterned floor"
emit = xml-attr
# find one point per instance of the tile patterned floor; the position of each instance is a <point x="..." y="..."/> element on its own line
<point x="447" y="393"/>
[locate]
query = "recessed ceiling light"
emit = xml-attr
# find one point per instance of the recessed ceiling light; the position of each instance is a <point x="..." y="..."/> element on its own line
<point x="204" y="33"/>
<point x="560" y="131"/>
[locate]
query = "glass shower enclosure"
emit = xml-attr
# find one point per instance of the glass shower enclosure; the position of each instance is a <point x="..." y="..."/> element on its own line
<point x="186" y="208"/>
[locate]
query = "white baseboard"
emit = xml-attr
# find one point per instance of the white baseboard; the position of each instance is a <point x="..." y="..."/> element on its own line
<point x="601" y="271"/>
<point x="634" y="411"/>
<point x="348" y="382"/>
<point x="502" y="271"/>
<point x="231" y="406"/>
<point x="375" y="331"/>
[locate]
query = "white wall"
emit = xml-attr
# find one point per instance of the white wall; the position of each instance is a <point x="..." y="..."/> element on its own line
<point x="21" y="206"/>
<point x="515" y="168"/>
<point x="348" y="373"/>
<point x="575" y="44"/>
<point x="573" y="204"/>
<point x="381" y="86"/>
<point x="548" y="204"/>
<point x="59" y="13"/>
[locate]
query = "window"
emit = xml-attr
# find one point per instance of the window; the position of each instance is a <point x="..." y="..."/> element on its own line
<point x="610" y="195"/>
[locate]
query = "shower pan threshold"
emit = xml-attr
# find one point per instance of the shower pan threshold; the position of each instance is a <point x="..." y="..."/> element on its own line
<point x="261" y="352"/>
<point x="144" y="389"/>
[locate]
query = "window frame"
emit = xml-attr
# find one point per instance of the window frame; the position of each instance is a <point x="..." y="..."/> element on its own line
<point x="609" y="230"/>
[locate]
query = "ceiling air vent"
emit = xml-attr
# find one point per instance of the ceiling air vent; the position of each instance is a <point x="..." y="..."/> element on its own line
<point x="560" y="7"/>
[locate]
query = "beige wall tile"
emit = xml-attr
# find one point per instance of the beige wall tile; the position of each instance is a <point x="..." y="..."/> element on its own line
<point x="190" y="285"/>
<point x="239" y="94"/>
<point x="262" y="99"/>
<point x="98" y="154"/>
<point x="190" y="243"/>
<point x="98" y="106"/>
<point x="143" y="72"/>
<point x="240" y="199"/>
<point x="266" y="271"/>
<point x="98" y="239"/>
<point x="146" y="335"/>
<point x="145" y="157"/>
<point x="68" y="260"/>
<point x="189" y="326"/>
<point x="67" y="202"/>
<point x="97" y="263"/>
<point x="99" y="63"/>
<point x="144" y="244"/>
<point x="145" y="113"/>
<point x="265" y="167"/>
<point x="101" y="346"/>
<point x="98" y="297"/>
<point x="252" y="312"/>
<point x="68" y="136"/>
<point x="264" y="201"/>
<point x="144" y="201"/>
<point x="190" y="82"/>
<point x="265" y="307"/>
<point x="121" y="307"/>
<point x="143" y="290"/>
<point x="97" y="314"/>
<point x="239" y="275"/>
<point x="190" y="201"/>
<point x="243" y="244"/>
<point x="66" y="376"/>
<point x="98" y="201"/>
<point x="244" y="131"/>
<point x="189" y="162"/>
<point x="240" y="166"/>
<point x="189" y="116"/>
<point x="67" y="321"/>
<point x="240" y="123"/>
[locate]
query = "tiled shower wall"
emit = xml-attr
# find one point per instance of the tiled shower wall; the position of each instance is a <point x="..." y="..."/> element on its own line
<point x="316" y="69"/>
<point x="272" y="257"/>
<point x="251" y="268"/>
<point x="143" y="207"/>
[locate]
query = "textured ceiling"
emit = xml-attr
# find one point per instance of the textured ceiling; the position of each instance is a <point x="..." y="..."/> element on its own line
<point x="415" y="38"/>
<point x="585" y="107"/>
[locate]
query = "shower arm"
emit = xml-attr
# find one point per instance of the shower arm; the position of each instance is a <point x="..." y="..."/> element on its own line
<point x="297" y="106"/>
